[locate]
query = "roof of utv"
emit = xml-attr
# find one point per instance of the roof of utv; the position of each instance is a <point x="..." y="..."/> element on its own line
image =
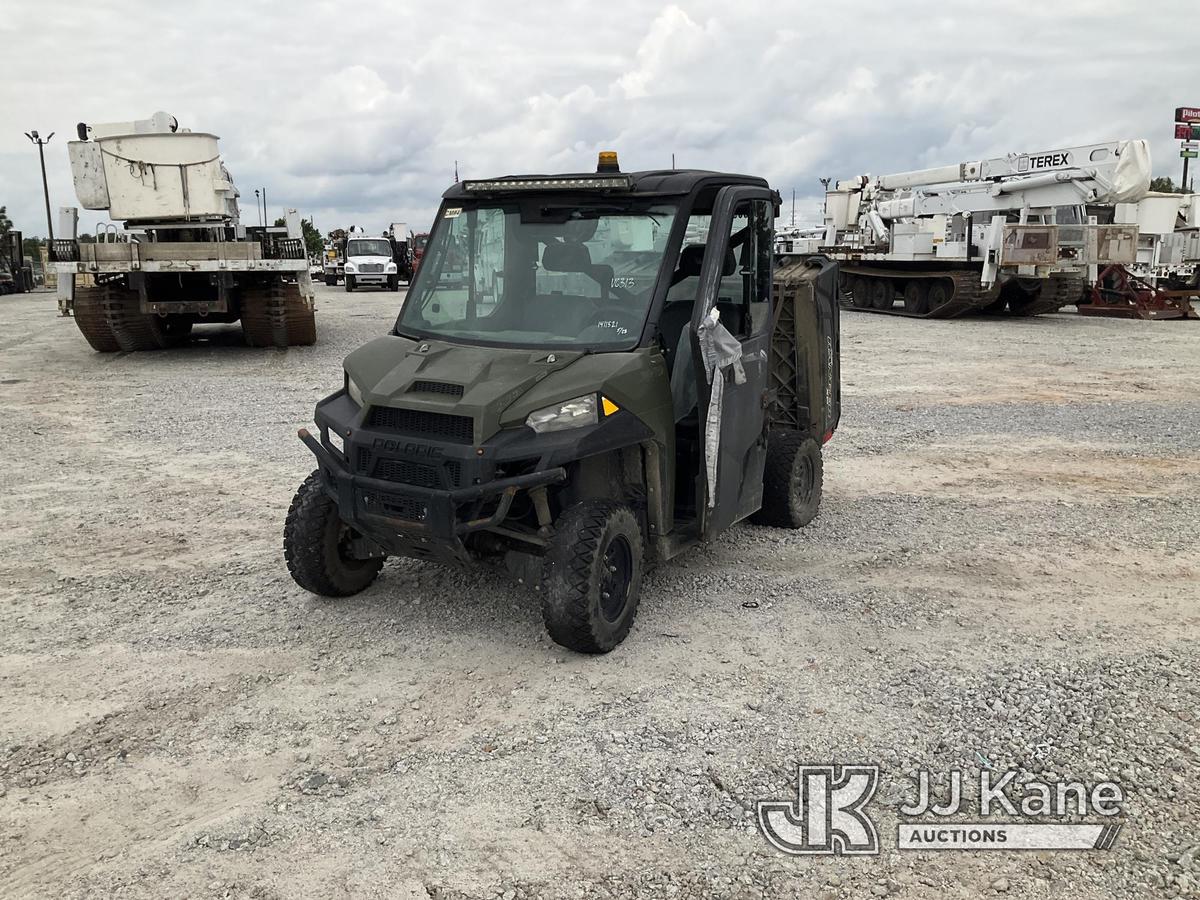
<point x="660" y="183"/>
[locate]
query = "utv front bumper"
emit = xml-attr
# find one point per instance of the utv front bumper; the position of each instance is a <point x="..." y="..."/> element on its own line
<point x="422" y="522"/>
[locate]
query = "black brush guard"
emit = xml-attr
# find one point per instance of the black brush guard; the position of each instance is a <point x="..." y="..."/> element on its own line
<point x="437" y="531"/>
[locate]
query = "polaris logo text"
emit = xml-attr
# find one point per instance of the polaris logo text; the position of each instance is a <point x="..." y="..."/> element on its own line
<point x="408" y="448"/>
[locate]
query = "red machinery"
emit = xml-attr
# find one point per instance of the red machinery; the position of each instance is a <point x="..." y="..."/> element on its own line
<point x="418" y="248"/>
<point x="1118" y="292"/>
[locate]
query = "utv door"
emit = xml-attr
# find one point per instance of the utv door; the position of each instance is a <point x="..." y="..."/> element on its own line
<point x="735" y="279"/>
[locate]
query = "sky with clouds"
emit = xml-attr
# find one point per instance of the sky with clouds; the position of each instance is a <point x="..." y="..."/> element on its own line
<point x="355" y="113"/>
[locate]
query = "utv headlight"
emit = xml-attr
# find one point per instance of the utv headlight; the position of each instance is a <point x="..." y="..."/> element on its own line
<point x="561" y="416"/>
<point x="353" y="390"/>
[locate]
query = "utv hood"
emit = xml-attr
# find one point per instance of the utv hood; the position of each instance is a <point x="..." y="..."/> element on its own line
<point x="480" y="382"/>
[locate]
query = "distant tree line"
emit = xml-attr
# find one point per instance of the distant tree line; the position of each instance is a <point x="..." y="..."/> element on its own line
<point x="1165" y="185"/>
<point x="313" y="242"/>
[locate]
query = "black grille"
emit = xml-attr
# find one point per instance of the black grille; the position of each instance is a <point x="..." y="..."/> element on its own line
<point x="282" y="248"/>
<point x="398" y="506"/>
<point x="419" y="423"/>
<point x="364" y="460"/>
<point x="436" y="387"/>
<point x="407" y="472"/>
<point x="422" y="475"/>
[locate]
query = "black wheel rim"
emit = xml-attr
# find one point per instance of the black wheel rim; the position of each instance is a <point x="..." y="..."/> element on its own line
<point x="614" y="579"/>
<point x="346" y="536"/>
<point x="345" y="542"/>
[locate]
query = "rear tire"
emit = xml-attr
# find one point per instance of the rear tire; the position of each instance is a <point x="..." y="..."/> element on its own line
<point x="792" y="481"/>
<point x="316" y="545"/>
<point x="592" y="577"/>
<point x="330" y="280"/>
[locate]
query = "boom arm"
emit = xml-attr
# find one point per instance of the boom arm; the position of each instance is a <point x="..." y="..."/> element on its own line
<point x="1118" y="171"/>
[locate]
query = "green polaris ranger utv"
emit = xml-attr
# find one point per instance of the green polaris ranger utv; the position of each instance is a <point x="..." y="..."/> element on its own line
<point x="590" y="373"/>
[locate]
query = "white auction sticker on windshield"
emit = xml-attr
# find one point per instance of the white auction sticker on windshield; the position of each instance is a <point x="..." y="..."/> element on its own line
<point x="452" y="212"/>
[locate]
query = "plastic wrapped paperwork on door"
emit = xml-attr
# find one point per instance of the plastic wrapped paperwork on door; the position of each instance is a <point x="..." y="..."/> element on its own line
<point x="720" y="351"/>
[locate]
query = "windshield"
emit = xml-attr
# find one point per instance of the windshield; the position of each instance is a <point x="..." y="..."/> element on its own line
<point x="541" y="272"/>
<point x="360" y="247"/>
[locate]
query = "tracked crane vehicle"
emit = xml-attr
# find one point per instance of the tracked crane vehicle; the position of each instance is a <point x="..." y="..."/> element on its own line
<point x="182" y="256"/>
<point x="1003" y="234"/>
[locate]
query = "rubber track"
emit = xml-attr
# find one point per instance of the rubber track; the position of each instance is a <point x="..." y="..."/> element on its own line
<point x="134" y="329"/>
<point x="967" y="295"/>
<point x="277" y="316"/>
<point x="111" y="315"/>
<point x="92" y="321"/>
<point x="1061" y="289"/>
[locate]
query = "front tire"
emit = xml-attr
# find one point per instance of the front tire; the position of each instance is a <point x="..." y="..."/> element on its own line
<point x="316" y="545"/>
<point x="349" y="283"/>
<point x="792" y="481"/>
<point x="593" y="576"/>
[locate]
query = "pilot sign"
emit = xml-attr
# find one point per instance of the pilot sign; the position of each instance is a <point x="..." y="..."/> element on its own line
<point x="1036" y="162"/>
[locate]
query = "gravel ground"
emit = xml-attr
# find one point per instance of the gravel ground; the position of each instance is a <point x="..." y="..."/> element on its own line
<point x="1004" y="574"/>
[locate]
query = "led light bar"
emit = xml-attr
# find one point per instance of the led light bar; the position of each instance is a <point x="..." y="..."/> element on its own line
<point x="586" y="183"/>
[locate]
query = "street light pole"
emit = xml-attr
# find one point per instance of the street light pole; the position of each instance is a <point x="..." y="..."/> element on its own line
<point x="33" y="136"/>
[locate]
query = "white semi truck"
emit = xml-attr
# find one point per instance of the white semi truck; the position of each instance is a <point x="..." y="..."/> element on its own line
<point x="1008" y="233"/>
<point x="182" y="256"/>
<point x="370" y="261"/>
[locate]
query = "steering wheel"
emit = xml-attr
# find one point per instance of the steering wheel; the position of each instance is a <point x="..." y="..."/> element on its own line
<point x="621" y="293"/>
